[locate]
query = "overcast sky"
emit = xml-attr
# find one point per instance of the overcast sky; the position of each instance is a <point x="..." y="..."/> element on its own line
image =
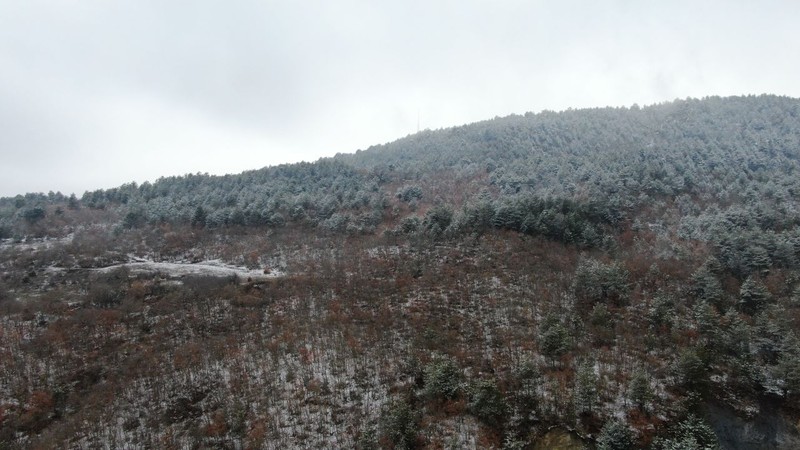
<point x="96" y="93"/>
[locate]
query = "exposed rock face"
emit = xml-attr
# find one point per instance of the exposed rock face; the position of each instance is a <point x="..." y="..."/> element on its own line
<point x="767" y="430"/>
<point x="560" y="439"/>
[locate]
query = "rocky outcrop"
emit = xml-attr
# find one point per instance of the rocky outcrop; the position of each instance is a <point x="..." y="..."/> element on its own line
<point x="766" y="430"/>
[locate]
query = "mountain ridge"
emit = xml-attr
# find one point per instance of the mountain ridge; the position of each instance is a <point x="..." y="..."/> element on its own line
<point x="632" y="274"/>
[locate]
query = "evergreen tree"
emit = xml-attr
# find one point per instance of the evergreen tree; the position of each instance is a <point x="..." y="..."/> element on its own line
<point x="585" y="390"/>
<point x="399" y="425"/>
<point x="639" y="391"/>
<point x="487" y="403"/>
<point x="442" y="379"/>
<point x="554" y="338"/>
<point x="691" y="433"/>
<point x="753" y="296"/>
<point x="788" y="367"/>
<point x="199" y="217"/>
<point x="615" y="435"/>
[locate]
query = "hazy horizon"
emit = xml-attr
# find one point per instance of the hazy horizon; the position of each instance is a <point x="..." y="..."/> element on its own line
<point x="97" y="95"/>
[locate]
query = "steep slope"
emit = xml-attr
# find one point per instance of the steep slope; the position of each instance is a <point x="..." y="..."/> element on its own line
<point x="631" y="274"/>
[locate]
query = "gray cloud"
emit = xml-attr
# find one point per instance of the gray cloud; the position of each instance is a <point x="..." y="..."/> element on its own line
<point x="94" y="94"/>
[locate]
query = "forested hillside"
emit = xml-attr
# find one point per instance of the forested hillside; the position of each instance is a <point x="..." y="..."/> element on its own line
<point x="613" y="278"/>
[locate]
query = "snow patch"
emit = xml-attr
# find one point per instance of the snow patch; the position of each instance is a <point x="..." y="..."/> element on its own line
<point x="212" y="268"/>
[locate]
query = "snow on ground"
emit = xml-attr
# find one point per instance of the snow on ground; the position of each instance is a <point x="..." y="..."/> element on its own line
<point x="213" y="268"/>
<point x="35" y="244"/>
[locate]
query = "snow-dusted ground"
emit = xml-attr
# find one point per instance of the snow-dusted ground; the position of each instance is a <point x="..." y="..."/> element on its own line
<point x="35" y="244"/>
<point x="213" y="268"/>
